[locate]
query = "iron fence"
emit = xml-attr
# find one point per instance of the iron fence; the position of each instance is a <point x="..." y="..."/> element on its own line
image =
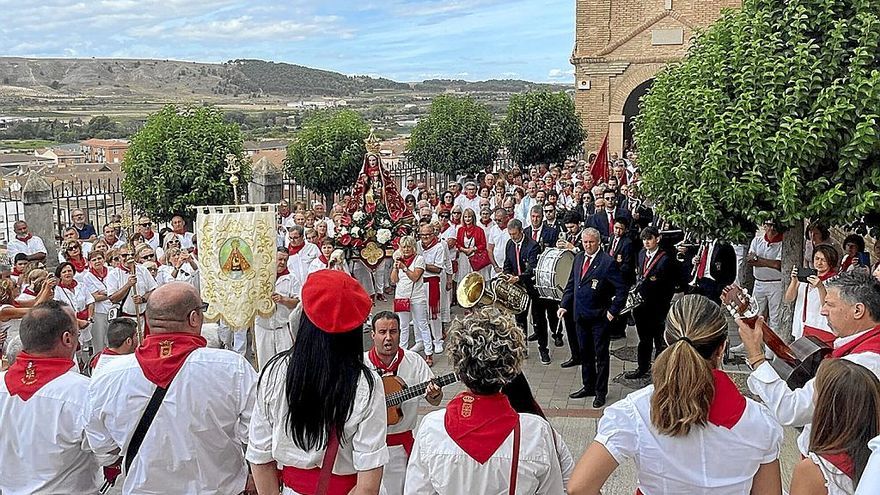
<point x="100" y="199"/>
<point x="13" y="211"/>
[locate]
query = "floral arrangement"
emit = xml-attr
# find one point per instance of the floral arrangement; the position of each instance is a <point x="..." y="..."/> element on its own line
<point x="357" y="229"/>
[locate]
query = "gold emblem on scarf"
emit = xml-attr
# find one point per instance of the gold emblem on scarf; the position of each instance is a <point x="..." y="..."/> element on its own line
<point x="372" y="253"/>
<point x="165" y="349"/>
<point x="30" y="374"/>
<point x="468" y="407"/>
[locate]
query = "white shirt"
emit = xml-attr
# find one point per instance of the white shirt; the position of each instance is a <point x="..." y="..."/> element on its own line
<point x="709" y="460"/>
<point x="186" y="240"/>
<point x="406" y="288"/>
<point x="450" y="233"/>
<point x="93" y="284"/>
<point x="363" y="446"/>
<point x="316" y="265"/>
<point x="769" y="251"/>
<point x="498" y="237"/>
<point x="870" y="482"/>
<point x="153" y="242"/>
<point x="795" y="407"/>
<point x="103" y="363"/>
<point x="196" y="442"/>
<point x="836" y="482"/>
<point x="300" y="263"/>
<point x="43" y="446"/>
<point x="436" y="256"/>
<point x="473" y="204"/>
<point x="78" y="298"/>
<point x="812" y="317"/>
<point x="34" y="245"/>
<point x="439" y="466"/>
<point x="186" y="273"/>
<point x="118" y="278"/>
<point x="413" y="370"/>
<point x="287" y="286"/>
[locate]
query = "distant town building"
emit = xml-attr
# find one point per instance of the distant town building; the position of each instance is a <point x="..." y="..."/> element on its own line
<point x="253" y="147"/>
<point x="317" y="104"/>
<point x="104" y="150"/>
<point x="62" y="156"/>
<point x="619" y="48"/>
<point x="12" y="162"/>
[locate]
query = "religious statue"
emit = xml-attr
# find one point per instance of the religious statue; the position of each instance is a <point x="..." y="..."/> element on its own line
<point x="375" y="188"/>
<point x="236" y="262"/>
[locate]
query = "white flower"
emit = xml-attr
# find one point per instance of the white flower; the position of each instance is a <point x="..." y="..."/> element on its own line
<point x="343" y="231"/>
<point x="383" y="236"/>
<point x="356" y="231"/>
<point x="386" y="223"/>
<point x="358" y="216"/>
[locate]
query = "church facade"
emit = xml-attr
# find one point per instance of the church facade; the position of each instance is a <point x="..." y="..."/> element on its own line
<point x="620" y="45"/>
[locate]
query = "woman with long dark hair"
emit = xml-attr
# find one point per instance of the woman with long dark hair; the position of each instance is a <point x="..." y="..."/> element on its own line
<point x="320" y="412"/>
<point x="692" y="431"/>
<point x="846" y="418"/>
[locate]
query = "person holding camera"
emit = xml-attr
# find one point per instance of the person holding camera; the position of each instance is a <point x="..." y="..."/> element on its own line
<point x="807" y="291"/>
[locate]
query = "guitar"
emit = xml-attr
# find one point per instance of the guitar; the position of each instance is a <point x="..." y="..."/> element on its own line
<point x="796" y="363"/>
<point x="397" y="392"/>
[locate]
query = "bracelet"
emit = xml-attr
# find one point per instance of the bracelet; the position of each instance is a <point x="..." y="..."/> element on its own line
<point x="754" y="362"/>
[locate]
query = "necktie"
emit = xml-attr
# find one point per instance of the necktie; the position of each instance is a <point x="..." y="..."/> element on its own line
<point x="610" y="219"/>
<point x="535" y="234"/>
<point x="701" y="268"/>
<point x="518" y="266"/>
<point x="614" y="246"/>
<point x="586" y="265"/>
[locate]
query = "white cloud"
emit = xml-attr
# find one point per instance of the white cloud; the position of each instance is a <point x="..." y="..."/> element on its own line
<point x="560" y="73"/>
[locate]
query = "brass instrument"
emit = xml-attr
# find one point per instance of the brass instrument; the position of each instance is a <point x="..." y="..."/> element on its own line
<point x="633" y="299"/>
<point x="695" y="269"/>
<point x="686" y="243"/>
<point x="475" y="290"/>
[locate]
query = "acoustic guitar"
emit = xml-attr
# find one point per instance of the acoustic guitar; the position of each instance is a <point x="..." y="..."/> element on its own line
<point x="796" y="363"/>
<point x="397" y="392"/>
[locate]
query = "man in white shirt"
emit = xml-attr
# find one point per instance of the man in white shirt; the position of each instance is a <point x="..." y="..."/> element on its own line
<point x="196" y="441"/>
<point x="145" y="228"/>
<point x="301" y="253"/>
<point x="272" y="333"/>
<point x="320" y="212"/>
<point x="496" y="240"/>
<point x="121" y="341"/>
<point x="852" y="306"/>
<point x="178" y="226"/>
<point x="409" y="187"/>
<point x="129" y="285"/>
<point x="386" y="357"/>
<point x="111" y="237"/>
<point x="434" y="253"/>
<point x="25" y="242"/>
<point x="765" y="258"/>
<point x="43" y="406"/>
<point x="470" y="198"/>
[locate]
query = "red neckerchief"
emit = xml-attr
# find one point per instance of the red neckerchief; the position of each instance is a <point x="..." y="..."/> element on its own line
<point x="728" y="405"/>
<point x="25" y="239"/>
<point x="69" y="286"/>
<point x="503" y="226"/>
<point x="408" y="261"/>
<point x="446" y="227"/>
<point x="318" y="241"/>
<point x="294" y="250"/>
<point x="15" y="272"/>
<point x="823" y="278"/>
<point x="100" y="276"/>
<point x="29" y="373"/>
<point x="479" y="424"/>
<point x="149" y="237"/>
<point x="324" y="259"/>
<point x="384" y="369"/>
<point x="868" y="342"/>
<point x="282" y="273"/>
<point x="179" y="233"/>
<point x="79" y="265"/>
<point x="453" y="222"/>
<point x="106" y="352"/>
<point x="162" y="355"/>
<point x="29" y="292"/>
<point x="772" y="240"/>
<point x="841" y="461"/>
<point x="429" y="246"/>
<point x="468" y="230"/>
<point x="847" y="261"/>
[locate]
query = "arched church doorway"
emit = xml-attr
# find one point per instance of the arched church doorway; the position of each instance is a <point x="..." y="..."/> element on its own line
<point x="630" y="110"/>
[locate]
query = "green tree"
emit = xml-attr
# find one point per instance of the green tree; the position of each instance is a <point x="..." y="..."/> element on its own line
<point x="177" y="160"/>
<point x="542" y="127"/>
<point x="772" y="114"/>
<point x="456" y="136"/>
<point x="327" y="154"/>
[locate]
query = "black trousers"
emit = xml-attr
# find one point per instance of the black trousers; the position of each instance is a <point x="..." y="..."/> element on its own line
<point x="538" y="310"/>
<point x="595" y="360"/>
<point x="571" y="333"/>
<point x="552" y="319"/>
<point x="650" y="324"/>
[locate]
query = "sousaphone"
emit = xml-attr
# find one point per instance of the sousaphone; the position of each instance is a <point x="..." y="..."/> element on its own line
<point x="475" y="290"/>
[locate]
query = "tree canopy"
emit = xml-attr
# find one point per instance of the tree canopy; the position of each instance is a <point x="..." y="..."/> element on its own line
<point x="456" y="136"/>
<point x="541" y="127"/>
<point x="178" y="159"/>
<point x="773" y="113"/>
<point x="328" y="152"/>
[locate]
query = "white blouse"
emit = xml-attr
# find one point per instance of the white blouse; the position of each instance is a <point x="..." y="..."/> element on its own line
<point x="811" y="317"/>
<point x="870" y="482"/>
<point x="836" y="482"/>
<point x="406" y="288"/>
<point x="710" y="460"/>
<point x="79" y="298"/>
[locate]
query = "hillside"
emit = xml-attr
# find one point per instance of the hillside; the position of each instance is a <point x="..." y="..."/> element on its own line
<point x="147" y="78"/>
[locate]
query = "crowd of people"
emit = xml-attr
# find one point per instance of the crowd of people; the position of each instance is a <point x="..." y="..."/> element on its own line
<point x="309" y="414"/>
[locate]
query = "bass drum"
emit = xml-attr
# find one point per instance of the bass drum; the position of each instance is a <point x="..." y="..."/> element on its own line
<point x="551" y="276"/>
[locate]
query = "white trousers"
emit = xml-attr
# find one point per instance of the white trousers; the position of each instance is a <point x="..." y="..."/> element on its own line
<point x="373" y="282"/>
<point x="418" y="314"/>
<point x="769" y="298"/>
<point x="235" y="340"/>
<point x="394" y="473"/>
<point x="270" y="341"/>
<point x="445" y="300"/>
<point x="99" y="332"/>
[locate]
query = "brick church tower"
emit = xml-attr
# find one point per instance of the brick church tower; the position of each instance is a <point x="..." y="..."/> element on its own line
<point x="619" y="47"/>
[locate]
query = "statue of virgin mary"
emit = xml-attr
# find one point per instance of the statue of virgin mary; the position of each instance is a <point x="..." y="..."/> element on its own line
<point x="375" y="187"/>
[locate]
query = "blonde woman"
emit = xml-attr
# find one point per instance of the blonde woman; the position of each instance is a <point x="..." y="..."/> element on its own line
<point x="178" y="265"/>
<point x="410" y="302"/>
<point x="692" y="431"/>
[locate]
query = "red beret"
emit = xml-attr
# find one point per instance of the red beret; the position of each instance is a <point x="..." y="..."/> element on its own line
<point x="335" y="302"/>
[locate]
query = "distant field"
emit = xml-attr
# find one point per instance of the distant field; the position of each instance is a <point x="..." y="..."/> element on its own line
<point x="24" y="144"/>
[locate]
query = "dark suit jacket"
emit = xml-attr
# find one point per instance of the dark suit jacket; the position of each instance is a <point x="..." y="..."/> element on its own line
<point x="599" y="221"/>
<point x="528" y="259"/>
<point x="599" y="291"/>
<point x="625" y="256"/>
<point x="549" y="235"/>
<point x="658" y="284"/>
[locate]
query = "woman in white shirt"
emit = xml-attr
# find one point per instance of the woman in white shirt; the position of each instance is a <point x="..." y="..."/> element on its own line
<point x="845" y="419"/>
<point x="93" y="279"/>
<point x="809" y="296"/>
<point x="410" y="302"/>
<point x="80" y="299"/>
<point x="179" y="266"/>
<point x="318" y="397"/>
<point x="691" y="432"/>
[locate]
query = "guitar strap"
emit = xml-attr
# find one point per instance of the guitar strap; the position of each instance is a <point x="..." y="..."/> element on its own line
<point x="328" y="462"/>
<point x="514" y="462"/>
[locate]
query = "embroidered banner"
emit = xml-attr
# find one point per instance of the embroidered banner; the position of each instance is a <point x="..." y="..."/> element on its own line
<point x="237" y="258"/>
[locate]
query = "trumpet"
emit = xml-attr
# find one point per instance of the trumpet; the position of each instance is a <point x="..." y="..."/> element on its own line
<point x="680" y="255"/>
<point x="475" y="290"/>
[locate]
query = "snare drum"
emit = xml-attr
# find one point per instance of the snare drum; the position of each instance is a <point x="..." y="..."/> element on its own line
<point x="551" y="276"/>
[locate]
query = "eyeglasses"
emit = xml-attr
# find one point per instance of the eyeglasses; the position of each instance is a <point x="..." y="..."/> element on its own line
<point x="71" y="249"/>
<point x="149" y="256"/>
<point x="148" y="224"/>
<point x="79" y="215"/>
<point x="549" y="211"/>
<point x="115" y="258"/>
<point x="125" y="255"/>
<point x="200" y="308"/>
<point x="456" y="213"/>
<point x="175" y="241"/>
<point x="425" y="235"/>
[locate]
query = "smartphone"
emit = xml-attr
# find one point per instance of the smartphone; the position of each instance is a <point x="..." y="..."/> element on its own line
<point x="803" y="273"/>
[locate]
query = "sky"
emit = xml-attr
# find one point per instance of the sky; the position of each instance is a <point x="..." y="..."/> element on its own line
<point x="405" y="40"/>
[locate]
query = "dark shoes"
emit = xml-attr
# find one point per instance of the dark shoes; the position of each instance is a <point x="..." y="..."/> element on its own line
<point x="632" y="375"/>
<point x="571" y="363"/>
<point x="557" y="340"/>
<point x="533" y="337"/>
<point x="598" y="402"/>
<point x="583" y="392"/>
<point x="545" y="356"/>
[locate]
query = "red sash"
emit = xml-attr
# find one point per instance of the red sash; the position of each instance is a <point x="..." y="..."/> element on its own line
<point x="29" y="373"/>
<point x="728" y="405"/>
<point x="404" y="439"/>
<point x="390" y="369"/>
<point x="479" y="424"/>
<point x="100" y="276"/>
<point x="868" y="342"/>
<point x="646" y="268"/>
<point x="433" y="296"/>
<point x="306" y="481"/>
<point x="162" y="355"/>
<point x="823" y="335"/>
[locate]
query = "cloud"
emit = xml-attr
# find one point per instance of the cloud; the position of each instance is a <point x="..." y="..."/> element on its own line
<point x="561" y="73"/>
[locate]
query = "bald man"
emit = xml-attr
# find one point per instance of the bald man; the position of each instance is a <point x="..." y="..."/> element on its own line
<point x="205" y="397"/>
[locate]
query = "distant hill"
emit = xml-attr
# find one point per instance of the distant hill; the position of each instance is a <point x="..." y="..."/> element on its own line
<point x="135" y="77"/>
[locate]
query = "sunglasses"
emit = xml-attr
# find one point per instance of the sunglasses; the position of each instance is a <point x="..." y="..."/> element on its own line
<point x="146" y="224"/>
<point x="72" y="249"/>
<point x="149" y="256"/>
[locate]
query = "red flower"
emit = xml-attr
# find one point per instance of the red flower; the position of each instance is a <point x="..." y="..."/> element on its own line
<point x="358" y="243"/>
<point x="345" y="240"/>
<point x="346" y="221"/>
<point x="395" y="243"/>
<point x="370" y="207"/>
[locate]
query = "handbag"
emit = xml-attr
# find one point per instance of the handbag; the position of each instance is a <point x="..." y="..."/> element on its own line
<point x="404" y="305"/>
<point x="479" y="260"/>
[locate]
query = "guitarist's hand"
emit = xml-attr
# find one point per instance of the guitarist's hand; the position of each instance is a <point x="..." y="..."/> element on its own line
<point x="752" y="338"/>
<point x="433" y="394"/>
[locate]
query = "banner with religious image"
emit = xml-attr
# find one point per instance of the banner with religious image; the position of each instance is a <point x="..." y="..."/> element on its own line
<point x="237" y="258"/>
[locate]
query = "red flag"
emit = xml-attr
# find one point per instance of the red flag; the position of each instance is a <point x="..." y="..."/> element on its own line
<point x="600" y="166"/>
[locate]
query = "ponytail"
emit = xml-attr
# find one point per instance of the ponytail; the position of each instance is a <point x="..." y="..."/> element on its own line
<point x="683" y="382"/>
